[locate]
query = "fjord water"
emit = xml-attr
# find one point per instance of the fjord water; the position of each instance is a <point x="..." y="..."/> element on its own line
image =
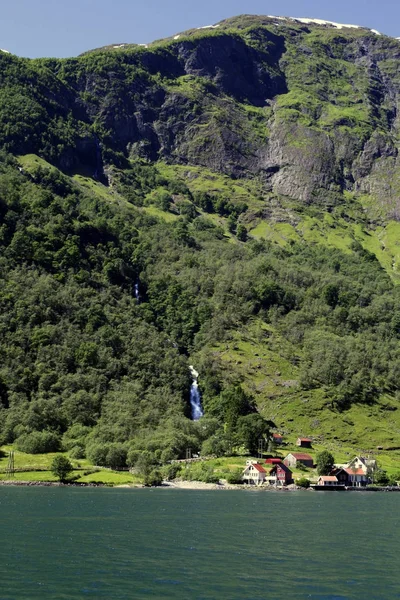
<point x="68" y="543"/>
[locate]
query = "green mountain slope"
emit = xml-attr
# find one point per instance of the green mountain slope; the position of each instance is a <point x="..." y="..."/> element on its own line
<point x="244" y="177"/>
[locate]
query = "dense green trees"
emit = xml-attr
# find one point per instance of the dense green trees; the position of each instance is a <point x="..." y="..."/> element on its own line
<point x="325" y="462"/>
<point x="87" y="368"/>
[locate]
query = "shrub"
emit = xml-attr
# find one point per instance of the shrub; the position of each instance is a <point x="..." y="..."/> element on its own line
<point x="38" y="442"/>
<point x="97" y="454"/>
<point x="303" y="482"/>
<point x="77" y="452"/>
<point x="153" y="479"/>
<point x="234" y="477"/>
<point x="172" y="471"/>
<point x="202" y="473"/>
<point x="210" y="477"/>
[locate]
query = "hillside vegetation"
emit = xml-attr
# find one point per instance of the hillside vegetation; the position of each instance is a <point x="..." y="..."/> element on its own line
<point x="227" y="199"/>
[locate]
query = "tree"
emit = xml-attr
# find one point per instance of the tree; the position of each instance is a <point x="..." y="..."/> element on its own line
<point x="250" y="429"/>
<point x="116" y="457"/>
<point x="61" y="467"/>
<point x="217" y="445"/>
<point x="325" y="462"/>
<point x="153" y="479"/>
<point x="38" y="442"/>
<point x="241" y="232"/>
<point x="381" y="477"/>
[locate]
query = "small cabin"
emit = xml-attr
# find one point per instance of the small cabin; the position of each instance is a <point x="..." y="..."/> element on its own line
<point x="328" y="481"/>
<point x="277" y="438"/>
<point x="254" y="474"/>
<point x="304" y="442"/>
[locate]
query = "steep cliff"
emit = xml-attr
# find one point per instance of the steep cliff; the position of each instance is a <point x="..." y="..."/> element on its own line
<point x="310" y="109"/>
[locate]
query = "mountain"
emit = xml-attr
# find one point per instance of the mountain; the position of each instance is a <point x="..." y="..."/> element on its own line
<point x="226" y="198"/>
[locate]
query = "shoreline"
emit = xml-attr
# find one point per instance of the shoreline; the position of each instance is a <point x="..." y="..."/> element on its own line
<point x="166" y="485"/>
<point x="189" y="485"/>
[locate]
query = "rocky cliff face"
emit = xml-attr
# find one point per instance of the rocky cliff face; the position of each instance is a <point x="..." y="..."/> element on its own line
<point x="309" y="109"/>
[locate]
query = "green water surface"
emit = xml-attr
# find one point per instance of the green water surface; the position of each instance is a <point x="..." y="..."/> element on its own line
<point x="68" y="543"/>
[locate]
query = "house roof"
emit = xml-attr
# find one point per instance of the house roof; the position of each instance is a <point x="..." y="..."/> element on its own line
<point x="281" y="466"/>
<point x="259" y="468"/>
<point x="354" y="471"/>
<point x="273" y="461"/>
<point x="304" y="439"/>
<point x="328" y="478"/>
<point x="365" y="461"/>
<point x="301" y="456"/>
<point x="277" y="435"/>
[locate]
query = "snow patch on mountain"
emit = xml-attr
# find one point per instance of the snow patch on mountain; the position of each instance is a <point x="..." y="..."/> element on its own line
<point x="308" y="21"/>
<point x="176" y="37"/>
<point x="322" y="22"/>
<point x="6" y="51"/>
<point x="208" y="27"/>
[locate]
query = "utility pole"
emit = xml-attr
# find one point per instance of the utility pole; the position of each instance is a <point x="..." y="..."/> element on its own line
<point x="188" y="453"/>
<point x="11" y="466"/>
<point x="260" y="448"/>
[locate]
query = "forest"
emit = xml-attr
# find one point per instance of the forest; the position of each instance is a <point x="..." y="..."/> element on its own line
<point x="143" y="230"/>
<point x="87" y="367"/>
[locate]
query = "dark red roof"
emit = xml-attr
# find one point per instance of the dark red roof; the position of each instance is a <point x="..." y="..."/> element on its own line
<point x="304" y="439"/>
<point x="273" y="461"/>
<point x="281" y="466"/>
<point x="277" y="435"/>
<point x="259" y="468"/>
<point x="301" y="456"/>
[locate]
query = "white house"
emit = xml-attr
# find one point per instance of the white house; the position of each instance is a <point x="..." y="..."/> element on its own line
<point x="254" y="473"/>
<point x="367" y="465"/>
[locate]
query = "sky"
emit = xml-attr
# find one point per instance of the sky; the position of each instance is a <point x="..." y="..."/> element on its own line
<point x="61" y="28"/>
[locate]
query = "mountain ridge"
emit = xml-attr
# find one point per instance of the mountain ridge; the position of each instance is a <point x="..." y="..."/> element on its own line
<point x="267" y="19"/>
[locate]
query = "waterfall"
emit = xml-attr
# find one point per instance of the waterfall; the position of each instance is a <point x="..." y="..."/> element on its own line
<point x="137" y="293"/>
<point x="99" y="162"/>
<point x="195" y="398"/>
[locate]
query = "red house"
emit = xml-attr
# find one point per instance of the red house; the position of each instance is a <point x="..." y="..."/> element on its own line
<point x="273" y="461"/>
<point x="282" y="475"/>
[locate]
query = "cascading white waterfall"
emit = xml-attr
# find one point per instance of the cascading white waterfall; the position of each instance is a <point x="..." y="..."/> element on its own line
<point x="137" y="294"/>
<point x="195" y="398"/>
